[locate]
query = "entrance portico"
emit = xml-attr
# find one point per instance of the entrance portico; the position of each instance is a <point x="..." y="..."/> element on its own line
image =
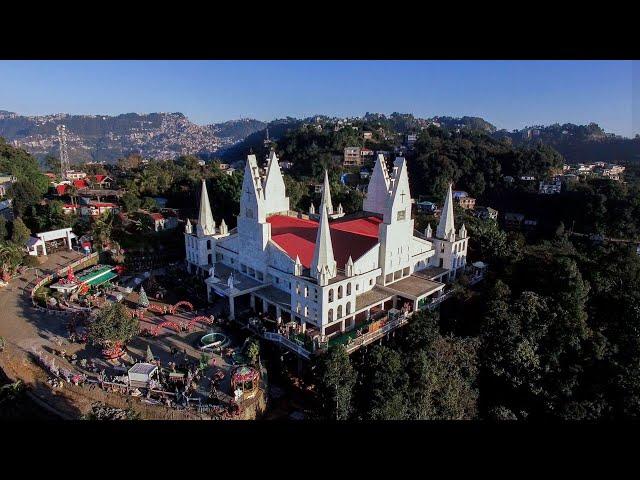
<point x="229" y="283"/>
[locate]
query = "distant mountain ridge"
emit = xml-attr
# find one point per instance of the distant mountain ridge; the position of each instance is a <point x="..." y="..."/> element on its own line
<point x="106" y="138"/>
<point x="168" y="135"/>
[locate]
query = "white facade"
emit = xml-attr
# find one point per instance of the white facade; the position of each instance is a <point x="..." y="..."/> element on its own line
<point x="323" y="293"/>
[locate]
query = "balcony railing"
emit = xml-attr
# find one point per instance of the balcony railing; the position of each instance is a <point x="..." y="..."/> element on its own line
<point x="282" y="340"/>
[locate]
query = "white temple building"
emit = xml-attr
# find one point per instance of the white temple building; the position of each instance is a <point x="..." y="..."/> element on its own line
<point x="326" y="271"/>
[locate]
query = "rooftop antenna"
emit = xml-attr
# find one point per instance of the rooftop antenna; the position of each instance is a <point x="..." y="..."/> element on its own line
<point x="64" y="155"/>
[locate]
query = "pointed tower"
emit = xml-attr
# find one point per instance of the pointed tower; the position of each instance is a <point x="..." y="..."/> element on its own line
<point x="348" y="268"/>
<point x="275" y="196"/>
<point x="378" y="189"/>
<point x="298" y="267"/>
<point x="206" y="225"/>
<point x="463" y="231"/>
<point x="396" y="229"/>
<point x="312" y="209"/>
<point x="188" y="227"/>
<point x="223" y="228"/>
<point x="326" y="194"/>
<point x="252" y="200"/>
<point x="323" y="265"/>
<point x="399" y="201"/>
<point x="428" y="232"/>
<point x="446" y="227"/>
<point x="340" y="209"/>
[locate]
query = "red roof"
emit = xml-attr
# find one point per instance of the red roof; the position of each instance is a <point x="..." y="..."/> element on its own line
<point x="100" y="178"/>
<point x="350" y="237"/>
<point x="79" y="184"/>
<point x="102" y="205"/>
<point x="61" y="189"/>
<point x="156" y="216"/>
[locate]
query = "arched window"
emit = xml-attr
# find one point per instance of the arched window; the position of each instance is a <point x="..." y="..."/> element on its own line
<point x="339" y="311"/>
<point x="339" y="292"/>
<point x="208" y="244"/>
<point x="330" y="315"/>
<point x="349" y="288"/>
<point x="331" y="294"/>
<point x="348" y="309"/>
<point x="306" y="291"/>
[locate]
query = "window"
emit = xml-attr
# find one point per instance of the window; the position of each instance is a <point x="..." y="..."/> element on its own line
<point x="331" y="294"/>
<point x="208" y="244"/>
<point x="402" y="214"/>
<point x="339" y="311"/>
<point x="248" y="213"/>
<point x="330" y="315"/>
<point x="297" y="289"/>
<point x="306" y="291"/>
<point x="370" y="281"/>
<point x="339" y="292"/>
<point x="348" y="308"/>
<point x="260" y="276"/>
<point x="349" y="288"/>
<point x="358" y="286"/>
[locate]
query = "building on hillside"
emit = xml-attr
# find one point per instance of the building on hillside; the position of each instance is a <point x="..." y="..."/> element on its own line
<point x="75" y="175"/>
<point x="464" y="200"/>
<point x="411" y="138"/>
<point x="6" y="180"/>
<point x="486" y="213"/>
<point x="6" y="209"/>
<point x="513" y="221"/>
<point x="94" y="209"/>
<point x="550" y="188"/>
<point x="352" y="157"/>
<point x="102" y="181"/>
<point x="161" y="221"/>
<point x="326" y="276"/>
<point x="367" y="135"/>
<point x="366" y="154"/>
<point x="426" y="207"/>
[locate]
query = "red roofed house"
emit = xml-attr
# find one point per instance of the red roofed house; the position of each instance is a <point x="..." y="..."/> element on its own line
<point x="102" y="181"/>
<point x="160" y="222"/>
<point x="328" y="276"/>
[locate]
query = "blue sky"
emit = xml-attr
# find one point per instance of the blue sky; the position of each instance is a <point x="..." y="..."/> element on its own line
<point x="509" y="94"/>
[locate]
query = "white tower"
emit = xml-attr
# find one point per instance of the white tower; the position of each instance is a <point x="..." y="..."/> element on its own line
<point x="378" y="190"/>
<point x="206" y="224"/>
<point x="396" y="231"/>
<point x="450" y="250"/>
<point x="323" y="265"/>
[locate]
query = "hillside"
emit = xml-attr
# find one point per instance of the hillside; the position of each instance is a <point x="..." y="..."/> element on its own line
<point x="578" y="143"/>
<point x="106" y="138"/>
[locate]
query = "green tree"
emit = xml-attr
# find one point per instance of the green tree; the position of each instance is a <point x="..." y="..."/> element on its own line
<point x="335" y="380"/>
<point x="3" y="229"/>
<point x="252" y="351"/>
<point x="442" y="381"/>
<point x="384" y="385"/>
<point x="131" y="202"/>
<point x="113" y="326"/>
<point x="19" y="233"/>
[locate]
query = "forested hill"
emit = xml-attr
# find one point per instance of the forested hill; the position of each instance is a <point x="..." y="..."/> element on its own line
<point x="578" y="143"/>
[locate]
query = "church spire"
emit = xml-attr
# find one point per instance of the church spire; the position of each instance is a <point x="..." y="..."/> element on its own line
<point x="446" y="226"/>
<point x="206" y="225"/>
<point x="323" y="265"/>
<point x="326" y="194"/>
